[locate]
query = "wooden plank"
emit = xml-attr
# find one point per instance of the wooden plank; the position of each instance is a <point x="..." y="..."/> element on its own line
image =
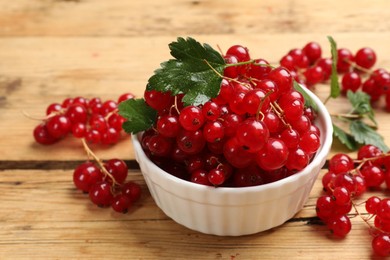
<point x="107" y="67"/>
<point x="43" y="216"/>
<point x="173" y="17"/>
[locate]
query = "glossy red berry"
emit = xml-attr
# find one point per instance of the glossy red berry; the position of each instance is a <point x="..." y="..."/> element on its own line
<point x="100" y="194"/>
<point x="365" y="57"/>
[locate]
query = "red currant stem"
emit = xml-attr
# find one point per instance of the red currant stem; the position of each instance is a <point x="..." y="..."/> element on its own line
<point x="258" y="112"/>
<point x="98" y="161"/>
<point x="366" y="220"/>
<point x="354" y="65"/>
<point x="111" y="113"/>
<point x="43" y="118"/>
<point x="364" y="160"/>
<point x="227" y="78"/>
<point x="253" y="62"/>
<point x="279" y="112"/>
<point x="350" y="116"/>
<point x="175" y="105"/>
<point x="220" y="50"/>
<point x="327" y="99"/>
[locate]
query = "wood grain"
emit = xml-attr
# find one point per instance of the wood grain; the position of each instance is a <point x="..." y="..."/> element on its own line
<point x="44" y="216"/>
<point x="171" y="17"/>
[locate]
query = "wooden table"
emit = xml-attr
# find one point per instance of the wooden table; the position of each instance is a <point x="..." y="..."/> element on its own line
<point x="53" y="49"/>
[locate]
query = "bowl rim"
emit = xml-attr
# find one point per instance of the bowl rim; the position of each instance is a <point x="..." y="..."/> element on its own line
<point x="319" y="158"/>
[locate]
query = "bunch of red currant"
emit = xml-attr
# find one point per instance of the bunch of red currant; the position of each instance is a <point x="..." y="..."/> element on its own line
<point x="345" y="181"/>
<point x="309" y="67"/>
<point x="257" y="130"/>
<point x="105" y="184"/>
<point x="95" y="122"/>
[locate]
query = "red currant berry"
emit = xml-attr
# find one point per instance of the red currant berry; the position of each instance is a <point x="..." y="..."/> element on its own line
<point x="313" y="51"/>
<point x="241" y="52"/>
<point x="131" y="190"/>
<point x="283" y="79"/>
<point x="236" y="155"/>
<point x="121" y="204"/>
<point x="325" y="207"/>
<point x="273" y="156"/>
<point x="79" y="130"/>
<point x="310" y="142"/>
<point x="248" y="176"/>
<point x="213" y="131"/>
<point x="342" y="196"/>
<point x="160" y="146"/>
<point x="200" y="177"/>
<point x="231" y="71"/>
<point x="345" y="57"/>
<point x="350" y="81"/>
<point x="252" y="135"/>
<point x="373" y="175"/>
<point x="125" y="97"/>
<point x="326" y="65"/>
<point x="168" y="125"/>
<point x="372" y="204"/>
<point x="77" y="114"/>
<point x="340" y="226"/>
<point x="58" y="126"/>
<point x="191" y="142"/>
<point x="157" y="100"/>
<point x="211" y="110"/>
<point x="216" y="177"/>
<point x="340" y="163"/>
<point x="314" y="75"/>
<point x="191" y="118"/>
<point x="297" y="159"/>
<point x="100" y="194"/>
<point x="53" y="108"/>
<point x="381" y="244"/>
<point x="365" y="57"/>
<point x="259" y="69"/>
<point x="118" y="169"/>
<point x="42" y="135"/>
<point x="86" y="175"/>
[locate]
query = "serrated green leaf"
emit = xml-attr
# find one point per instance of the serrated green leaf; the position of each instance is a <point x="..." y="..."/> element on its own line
<point x="345" y="138"/>
<point x="364" y="134"/>
<point x="195" y="72"/>
<point x="308" y="100"/>
<point x="334" y="79"/>
<point x="139" y="115"/>
<point x="361" y="105"/>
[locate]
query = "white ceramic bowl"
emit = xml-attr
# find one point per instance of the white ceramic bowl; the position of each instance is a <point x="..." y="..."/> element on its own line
<point x="235" y="211"/>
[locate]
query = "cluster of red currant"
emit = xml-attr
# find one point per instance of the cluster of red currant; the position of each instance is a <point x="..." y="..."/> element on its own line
<point x="309" y="68"/>
<point x="105" y="183"/>
<point x="257" y="130"/>
<point x="95" y="122"/>
<point x="345" y="181"/>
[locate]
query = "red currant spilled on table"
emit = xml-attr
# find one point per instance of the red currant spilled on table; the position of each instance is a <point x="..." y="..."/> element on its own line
<point x="345" y="182"/>
<point x="94" y="122"/>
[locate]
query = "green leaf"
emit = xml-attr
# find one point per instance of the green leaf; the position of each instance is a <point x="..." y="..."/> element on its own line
<point x="139" y="115"/>
<point x="361" y="105"/>
<point x="308" y="100"/>
<point x="364" y="134"/>
<point x="345" y="138"/>
<point x="196" y="72"/>
<point x="334" y="79"/>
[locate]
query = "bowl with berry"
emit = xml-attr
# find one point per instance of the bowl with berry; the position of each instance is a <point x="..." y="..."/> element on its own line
<point x="234" y="150"/>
